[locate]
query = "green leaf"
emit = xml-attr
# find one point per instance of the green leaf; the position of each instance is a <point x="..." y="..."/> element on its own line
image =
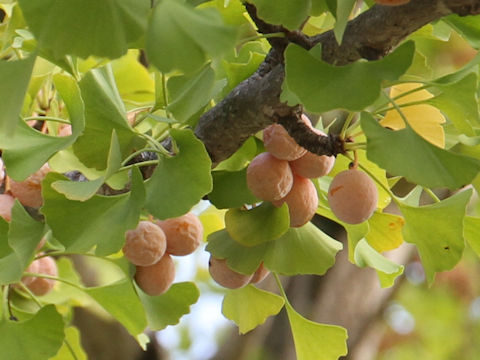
<point x="321" y="87"/>
<point x="18" y="248"/>
<point x="200" y="32"/>
<point x="230" y="190"/>
<point x="387" y="270"/>
<point x="437" y="231"/>
<point x="26" y="151"/>
<point x="344" y="8"/>
<point x="100" y="220"/>
<point x="459" y="102"/>
<point x="240" y="159"/>
<point x="168" y="308"/>
<point x="77" y="190"/>
<point x="72" y="336"/>
<point x="86" y="27"/>
<point x="355" y="233"/>
<point x="104" y="113"/>
<point x="249" y="307"/>
<point x="84" y="190"/>
<point x="303" y="250"/>
<point x="180" y="181"/>
<point x="15" y="77"/>
<point x="468" y="27"/>
<point x="261" y="224"/>
<point x="243" y="259"/>
<point x="38" y="338"/>
<point x="472" y="232"/>
<point x="290" y="14"/>
<point x="314" y="341"/>
<point x="189" y="93"/>
<point x="121" y="301"/>
<point x="396" y="151"/>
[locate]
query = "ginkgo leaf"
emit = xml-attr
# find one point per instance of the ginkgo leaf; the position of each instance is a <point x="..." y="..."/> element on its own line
<point x="249" y="307"/>
<point x="425" y="119"/>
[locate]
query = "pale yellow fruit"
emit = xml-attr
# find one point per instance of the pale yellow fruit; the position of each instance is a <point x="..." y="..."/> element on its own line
<point x="145" y="244"/>
<point x="352" y="196"/>
<point x="280" y="144"/>
<point x="37" y="285"/>
<point x="259" y="275"/>
<point x="6" y="205"/>
<point x="156" y="279"/>
<point x="311" y="165"/>
<point x="302" y="201"/>
<point x="29" y="191"/>
<point x="226" y="277"/>
<point x="184" y="234"/>
<point x="269" y="178"/>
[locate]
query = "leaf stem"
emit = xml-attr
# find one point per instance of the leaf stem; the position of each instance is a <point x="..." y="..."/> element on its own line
<point x="144" y="163"/>
<point x="45" y="276"/>
<point x="412" y="103"/>
<point x="47" y="118"/>
<point x="346" y="124"/>
<point x="132" y="155"/>
<point x="431" y="194"/>
<point x="280" y="287"/>
<point x="165" y="97"/>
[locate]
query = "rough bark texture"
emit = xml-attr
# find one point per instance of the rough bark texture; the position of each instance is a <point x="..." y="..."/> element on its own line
<point x="255" y="103"/>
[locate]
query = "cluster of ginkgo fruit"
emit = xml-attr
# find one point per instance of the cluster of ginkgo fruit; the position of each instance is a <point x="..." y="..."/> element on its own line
<point x="282" y="175"/>
<point x="150" y="247"/>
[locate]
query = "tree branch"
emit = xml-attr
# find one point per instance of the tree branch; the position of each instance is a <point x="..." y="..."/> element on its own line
<point x="255" y="103"/>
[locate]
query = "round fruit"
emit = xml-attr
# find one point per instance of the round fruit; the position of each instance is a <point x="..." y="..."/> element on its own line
<point x="280" y="144"/>
<point x="29" y="191"/>
<point x="156" y="279"/>
<point x="184" y="234"/>
<point x="392" y="2"/>
<point x="311" y="165"/>
<point x="261" y="273"/>
<point x="352" y="196"/>
<point x="37" y="285"/>
<point x="269" y="178"/>
<point x="144" y="245"/>
<point x="2" y="172"/>
<point x="6" y="205"/>
<point x="302" y="201"/>
<point x="226" y="277"/>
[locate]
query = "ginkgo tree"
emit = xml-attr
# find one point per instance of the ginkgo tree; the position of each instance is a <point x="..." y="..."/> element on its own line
<point x="166" y="101"/>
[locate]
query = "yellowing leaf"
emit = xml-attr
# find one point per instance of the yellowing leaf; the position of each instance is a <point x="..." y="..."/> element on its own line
<point x="212" y="220"/>
<point x="425" y="119"/>
<point x="385" y="231"/>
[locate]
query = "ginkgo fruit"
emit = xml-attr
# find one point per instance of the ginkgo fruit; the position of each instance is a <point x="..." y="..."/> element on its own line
<point x="184" y="234"/>
<point x="352" y="196"/>
<point x="39" y="285"/>
<point x="145" y="244"/>
<point x="2" y="172"/>
<point x="269" y="178"/>
<point x="226" y="277"/>
<point x="311" y="165"/>
<point x="29" y="191"/>
<point x="156" y="279"/>
<point x="260" y="274"/>
<point x="280" y="144"/>
<point x="6" y="205"/>
<point x="302" y="201"/>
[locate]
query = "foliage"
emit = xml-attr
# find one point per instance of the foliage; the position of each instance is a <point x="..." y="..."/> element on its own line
<point x="89" y="72"/>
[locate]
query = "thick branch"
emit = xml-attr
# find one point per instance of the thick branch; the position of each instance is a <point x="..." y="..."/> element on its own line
<point x="255" y="103"/>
